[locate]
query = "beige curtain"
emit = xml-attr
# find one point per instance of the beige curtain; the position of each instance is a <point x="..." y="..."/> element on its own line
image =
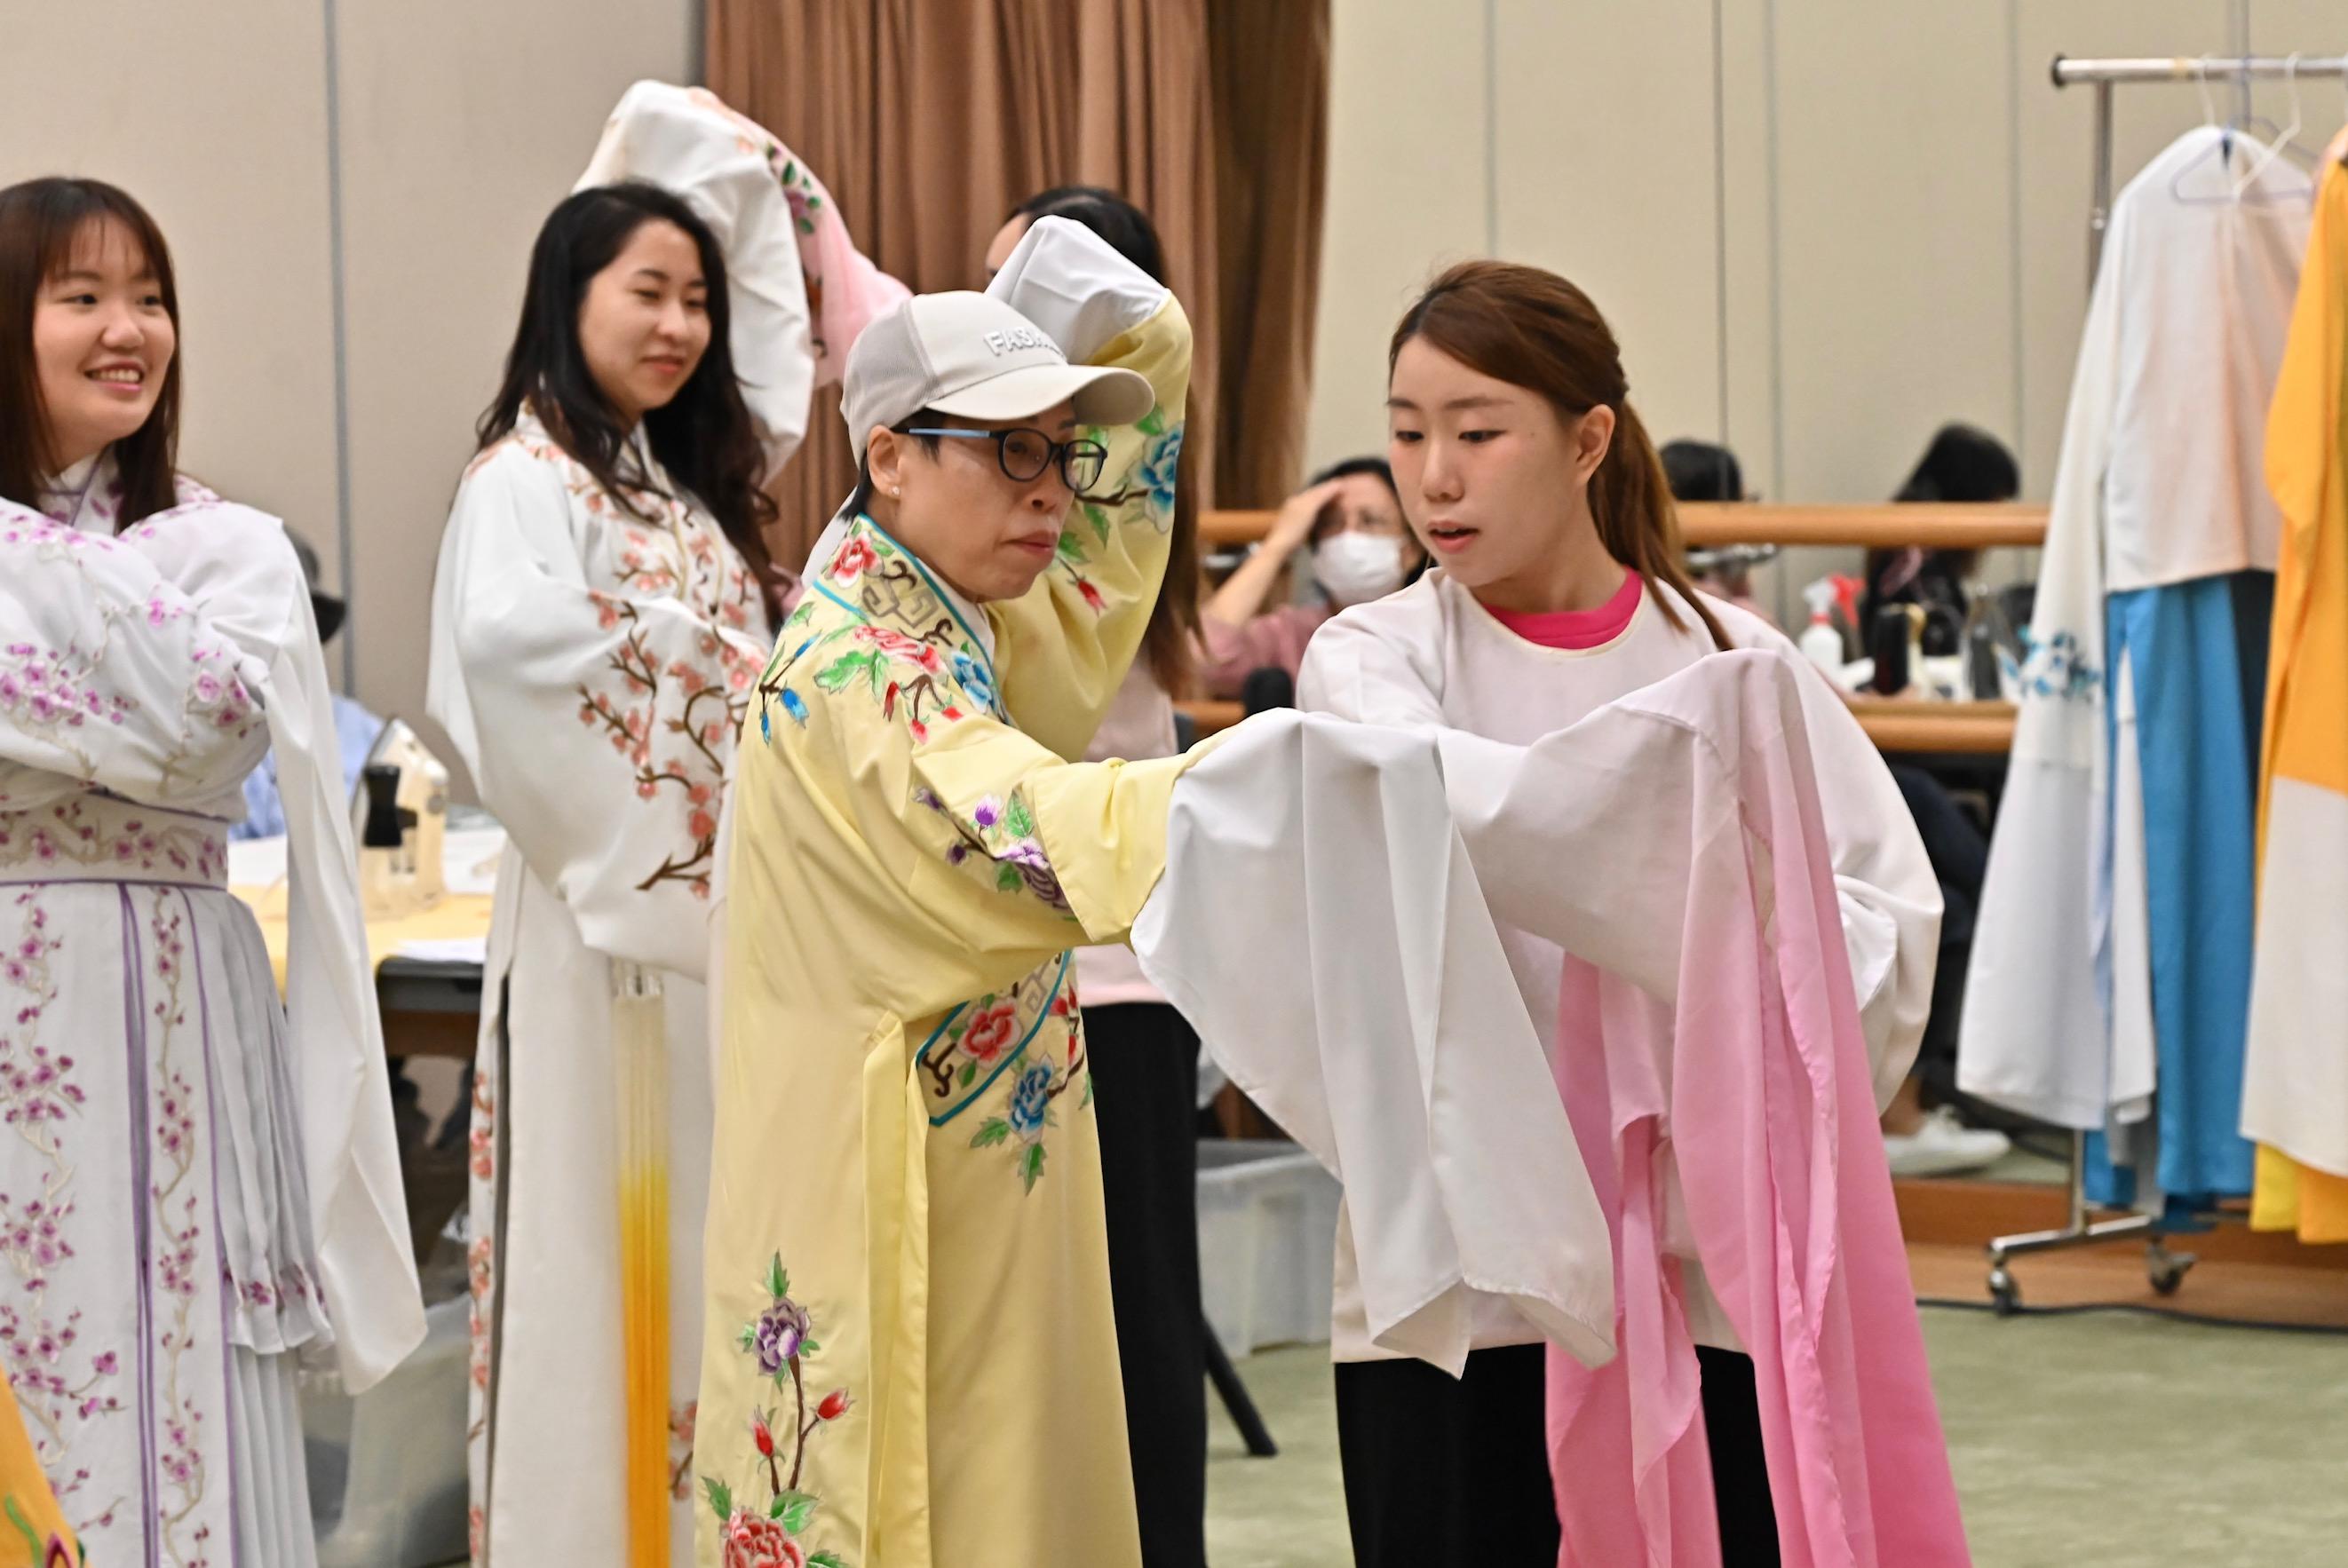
<point x="930" y="119"/>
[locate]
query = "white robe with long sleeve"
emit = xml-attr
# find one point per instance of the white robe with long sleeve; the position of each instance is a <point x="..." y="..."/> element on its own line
<point x="1330" y="910"/>
<point x="592" y="667"/>
<point x="193" y="1186"/>
<point x="1431" y="655"/>
<point x="2159" y="482"/>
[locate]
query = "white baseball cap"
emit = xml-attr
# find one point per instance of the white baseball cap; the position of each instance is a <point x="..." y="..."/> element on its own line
<point x="972" y="356"/>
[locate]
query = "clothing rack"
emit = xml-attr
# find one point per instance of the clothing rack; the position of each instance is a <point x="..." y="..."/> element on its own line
<point x="2164" y="1268"/>
<point x="2104" y="75"/>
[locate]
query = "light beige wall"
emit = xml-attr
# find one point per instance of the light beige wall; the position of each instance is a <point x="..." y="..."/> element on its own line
<point x="1890" y="194"/>
<point x="1895" y="294"/>
<point x="1405" y="194"/>
<point x="461" y="124"/>
<point x="214" y="116"/>
<point x="1604" y="155"/>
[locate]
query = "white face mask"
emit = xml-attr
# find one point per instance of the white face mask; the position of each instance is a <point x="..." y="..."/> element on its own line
<point x="1355" y="568"/>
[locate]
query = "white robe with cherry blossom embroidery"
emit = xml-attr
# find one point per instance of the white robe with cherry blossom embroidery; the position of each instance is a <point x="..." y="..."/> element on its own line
<point x="193" y="1186"/>
<point x="590" y="666"/>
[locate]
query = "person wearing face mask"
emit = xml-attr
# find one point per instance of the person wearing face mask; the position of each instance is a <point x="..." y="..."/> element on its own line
<point x="598" y="620"/>
<point x="1349" y="524"/>
<point x="200" y="1182"/>
<point x="910" y="1351"/>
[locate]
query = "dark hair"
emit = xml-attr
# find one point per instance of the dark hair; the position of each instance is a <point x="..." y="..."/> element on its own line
<point x="1127" y="227"/>
<point x="703" y="436"/>
<point x="1701" y="471"/>
<point x="40" y="221"/>
<point x="1963" y="463"/>
<point x="1345" y="469"/>
<point x="1532" y="329"/>
<point x="860" y="498"/>
<point x="1169" y="640"/>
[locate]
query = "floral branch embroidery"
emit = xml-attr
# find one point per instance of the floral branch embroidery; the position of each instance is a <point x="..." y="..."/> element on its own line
<point x="707" y="708"/>
<point x="1005" y="834"/>
<point x="1040" y="1082"/>
<point x="41" y="1101"/>
<point x="59" y="696"/>
<point x="780" y="1340"/>
<point x="179" y="1247"/>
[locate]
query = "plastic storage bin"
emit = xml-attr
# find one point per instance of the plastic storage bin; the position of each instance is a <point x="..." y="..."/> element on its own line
<point x="388" y="1468"/>
<point x="1267" y="1243"/>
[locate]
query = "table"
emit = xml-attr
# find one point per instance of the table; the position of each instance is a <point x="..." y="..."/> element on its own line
<point x="430" y="1006"/>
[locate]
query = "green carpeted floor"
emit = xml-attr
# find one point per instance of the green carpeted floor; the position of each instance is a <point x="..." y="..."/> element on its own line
<point x="2100" y="1440"/>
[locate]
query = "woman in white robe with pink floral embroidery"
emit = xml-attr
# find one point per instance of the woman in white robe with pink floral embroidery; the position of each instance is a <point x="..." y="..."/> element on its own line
<point x="193" y="1187"/>
<point x="603" y="603"/>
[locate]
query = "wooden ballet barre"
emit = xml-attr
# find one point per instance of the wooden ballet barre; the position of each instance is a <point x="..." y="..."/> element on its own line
<point x="1947" y="729"/>
<point x="1211" y="715"/>
<point x="1881" y="525"/>
<point x="1877" y="526"/>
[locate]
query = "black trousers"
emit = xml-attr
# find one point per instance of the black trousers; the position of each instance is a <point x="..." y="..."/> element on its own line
<point x="1145" y="1067"/>
<point x="1444" y="1474"/>
<point x="1959" y="851"/>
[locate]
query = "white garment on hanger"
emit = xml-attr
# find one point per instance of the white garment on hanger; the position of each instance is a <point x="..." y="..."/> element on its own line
<point x="2159" y="482"/>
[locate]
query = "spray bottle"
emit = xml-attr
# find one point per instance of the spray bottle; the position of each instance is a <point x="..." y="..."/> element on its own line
<point x="1821" y="645"/>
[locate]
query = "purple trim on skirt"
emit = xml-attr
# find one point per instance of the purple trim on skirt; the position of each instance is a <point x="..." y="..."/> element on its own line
<point x="220" y="1233"/>
<point x="134" y="1009"/>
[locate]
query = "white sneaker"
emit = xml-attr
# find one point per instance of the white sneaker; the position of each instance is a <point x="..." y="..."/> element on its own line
<point x="1943" y="1146"/>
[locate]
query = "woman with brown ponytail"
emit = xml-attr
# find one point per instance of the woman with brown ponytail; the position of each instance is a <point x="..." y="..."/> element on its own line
<point x="1559" y="587"/>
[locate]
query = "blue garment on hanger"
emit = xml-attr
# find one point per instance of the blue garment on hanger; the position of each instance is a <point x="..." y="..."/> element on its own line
<point x="2197" y="652"/>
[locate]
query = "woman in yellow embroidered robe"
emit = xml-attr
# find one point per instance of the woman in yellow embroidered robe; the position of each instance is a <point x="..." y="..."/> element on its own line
<point x="910" y="1357"/>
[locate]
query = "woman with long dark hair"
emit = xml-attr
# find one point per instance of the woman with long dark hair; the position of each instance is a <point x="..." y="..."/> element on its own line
<point x="598" y="620"/>
<point x="194" y="1185"/>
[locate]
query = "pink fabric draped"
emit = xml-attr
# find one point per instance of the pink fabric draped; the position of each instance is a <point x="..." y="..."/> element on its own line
<point x="1753" y="1085"/>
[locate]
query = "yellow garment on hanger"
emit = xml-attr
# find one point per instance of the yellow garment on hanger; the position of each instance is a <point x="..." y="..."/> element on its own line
<point x="33" y="1530"/>
<point x="2305" y="746"/>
